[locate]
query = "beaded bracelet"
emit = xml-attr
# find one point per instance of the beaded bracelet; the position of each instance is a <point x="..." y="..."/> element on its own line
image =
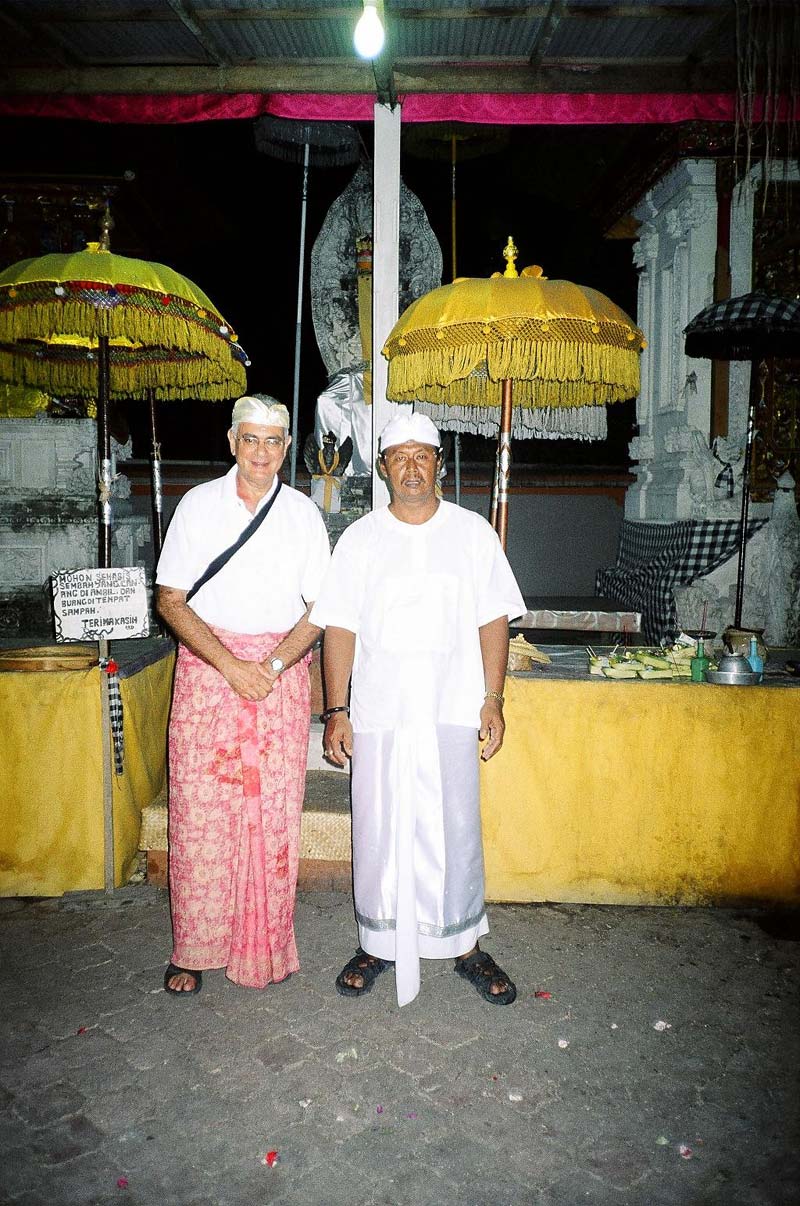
<point x="495" y="695"/>
<point x="326" y="715"/>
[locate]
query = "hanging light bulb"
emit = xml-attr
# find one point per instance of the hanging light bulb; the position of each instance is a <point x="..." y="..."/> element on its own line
<point x="368" y="36"/>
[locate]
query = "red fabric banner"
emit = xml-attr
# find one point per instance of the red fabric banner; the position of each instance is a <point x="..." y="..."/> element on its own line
<point x="492" y="108"/>
<point x="524" y="109"/>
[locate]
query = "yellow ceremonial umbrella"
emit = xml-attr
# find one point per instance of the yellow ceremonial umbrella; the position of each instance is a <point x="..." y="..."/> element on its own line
<point x="92" y="324"/>
<point x="21" y="401"/>
<point x="480" y="343"/>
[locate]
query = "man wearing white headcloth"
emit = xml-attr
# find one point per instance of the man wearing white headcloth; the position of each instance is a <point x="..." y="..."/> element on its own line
<point x="415" y="608"/>
<point x="243" y="560"/>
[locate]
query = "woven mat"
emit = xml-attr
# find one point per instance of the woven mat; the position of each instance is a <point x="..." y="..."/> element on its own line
<point x="323" y="835"/>
<point x="153" y="832"/>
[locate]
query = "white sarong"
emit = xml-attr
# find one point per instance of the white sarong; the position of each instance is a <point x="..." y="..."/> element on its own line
<point x="417" y="853"/>
<point x="416" y="596"/>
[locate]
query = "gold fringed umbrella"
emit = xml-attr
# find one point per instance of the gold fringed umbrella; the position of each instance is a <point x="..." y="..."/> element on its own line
<point x="92" y="324"/>
<point x="540" y="343"/>
<point x="21" y="401"/>
<point x="163" y="333"/>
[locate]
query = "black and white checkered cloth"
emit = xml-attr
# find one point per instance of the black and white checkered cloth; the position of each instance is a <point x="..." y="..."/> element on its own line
<point x="115" y="712"/>
<point x="654" y="558"/>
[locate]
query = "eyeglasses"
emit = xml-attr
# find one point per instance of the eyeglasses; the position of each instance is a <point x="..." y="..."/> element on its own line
<point x="271" y="443"/>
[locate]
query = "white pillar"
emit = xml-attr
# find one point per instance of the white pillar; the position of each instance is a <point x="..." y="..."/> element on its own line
<point x="385" y="272"/>
<point x="676" y="250"/>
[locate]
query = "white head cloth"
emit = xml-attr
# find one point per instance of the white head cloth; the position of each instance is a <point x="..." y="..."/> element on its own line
<point x="403" y="428"/>
<point x="261" y="409"/>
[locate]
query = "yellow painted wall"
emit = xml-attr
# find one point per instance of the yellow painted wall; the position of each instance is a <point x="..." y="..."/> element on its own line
<point x="644" y="793"/>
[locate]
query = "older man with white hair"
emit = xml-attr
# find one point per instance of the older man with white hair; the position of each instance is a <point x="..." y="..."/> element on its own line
<point x="416" y="608"/>
<point x="243" y="560"/>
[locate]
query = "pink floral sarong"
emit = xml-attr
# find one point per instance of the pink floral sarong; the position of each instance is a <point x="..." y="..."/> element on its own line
<point x="237" y="781"/>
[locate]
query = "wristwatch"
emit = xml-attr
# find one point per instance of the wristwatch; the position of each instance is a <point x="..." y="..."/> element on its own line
<point x="277" y="664"/>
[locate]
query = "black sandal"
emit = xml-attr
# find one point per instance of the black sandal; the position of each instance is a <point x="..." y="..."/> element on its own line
<point x="368" y="967"/>
<point x="172" y="970"/>
<point x="482" y="971"/>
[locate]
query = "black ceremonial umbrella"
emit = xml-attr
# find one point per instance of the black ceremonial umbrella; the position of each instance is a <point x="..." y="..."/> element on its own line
<point x="754" y="326"/>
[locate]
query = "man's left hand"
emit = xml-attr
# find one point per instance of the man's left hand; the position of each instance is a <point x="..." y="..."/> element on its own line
<point x="493" y="728"/>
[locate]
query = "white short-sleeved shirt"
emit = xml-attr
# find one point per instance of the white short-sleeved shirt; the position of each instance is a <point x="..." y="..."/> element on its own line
<point x="267" y="584"/>
<point x="415" y="596"/>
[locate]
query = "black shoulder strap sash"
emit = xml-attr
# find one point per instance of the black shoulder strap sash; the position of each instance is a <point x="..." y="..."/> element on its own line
<point x="223" y="559"/>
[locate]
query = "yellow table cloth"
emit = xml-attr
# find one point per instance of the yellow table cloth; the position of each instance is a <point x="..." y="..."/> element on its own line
<point x="644" y="793"/>
<point x="51" y="776"/>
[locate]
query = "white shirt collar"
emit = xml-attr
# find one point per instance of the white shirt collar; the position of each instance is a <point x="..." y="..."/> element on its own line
<point x="232" y="495"/>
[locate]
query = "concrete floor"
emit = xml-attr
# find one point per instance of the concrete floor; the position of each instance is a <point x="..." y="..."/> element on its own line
<point x="660" y="1070"/>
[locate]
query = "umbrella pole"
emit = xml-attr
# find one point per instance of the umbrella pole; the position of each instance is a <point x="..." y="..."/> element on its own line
<point x="104" y="480"/>
<point x="155" y="477"/>
<point x="104" y="486"/>
<point x="299" y="321"/>
<point x="453" y="245"/>
<point x="457" y="467"/>
<point x="107" y="745"/>
<point x="504" y="462"/>
<point x="748" y="460"/>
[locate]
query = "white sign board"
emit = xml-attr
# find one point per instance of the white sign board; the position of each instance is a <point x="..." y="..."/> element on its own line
<point x="100" y="604"/>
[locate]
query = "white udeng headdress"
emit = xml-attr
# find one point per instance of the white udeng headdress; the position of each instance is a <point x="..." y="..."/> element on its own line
<point x="261" y="409"/>
<point x="403" y="428"/>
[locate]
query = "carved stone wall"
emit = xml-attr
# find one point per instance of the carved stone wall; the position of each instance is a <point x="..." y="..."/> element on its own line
<point x="48" y="514"/>
<point x="678" y="476"/>
<point x="675" y="256"/>
<point x="771" y="600"/>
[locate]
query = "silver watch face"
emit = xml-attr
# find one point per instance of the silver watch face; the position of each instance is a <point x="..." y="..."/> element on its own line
<point x="277" y="664"/>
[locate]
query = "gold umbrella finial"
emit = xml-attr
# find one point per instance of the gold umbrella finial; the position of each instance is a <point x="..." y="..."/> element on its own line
<point x="510" y="253"/>
<point x="106" y="226"/>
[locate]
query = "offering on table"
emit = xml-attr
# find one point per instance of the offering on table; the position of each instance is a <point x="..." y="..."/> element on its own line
<point x="522" y="654"/>
<point x="647" y="664"/>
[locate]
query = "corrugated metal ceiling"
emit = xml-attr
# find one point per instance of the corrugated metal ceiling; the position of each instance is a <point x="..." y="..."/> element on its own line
<point x="691" y="42"/>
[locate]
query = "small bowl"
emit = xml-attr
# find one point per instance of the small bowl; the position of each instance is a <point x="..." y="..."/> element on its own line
<point x="734" y="664"/>
<point x="720" y="678"/>
<point x="734" y="671"/>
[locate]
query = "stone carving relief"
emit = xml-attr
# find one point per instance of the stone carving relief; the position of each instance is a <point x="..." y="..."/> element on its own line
<point x="672" y="223"/>
<point x="21" y="565"/>
<point x="678" y="439"/>
<point x="783" y="567"/>
<point x="334" y="295"/>
<point x="645" y="249"/>
<point x="690" y="213"/>
<point x="48" y="520"/>
<point x="698" y="209"/>
<point x="642" y="448"/>
<point x="121" y="486"/>
<point x="718" y="591"/>
<point x="771" y="596"/>
<point x="714" y="477"/>
<point x="80" y="479"/>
